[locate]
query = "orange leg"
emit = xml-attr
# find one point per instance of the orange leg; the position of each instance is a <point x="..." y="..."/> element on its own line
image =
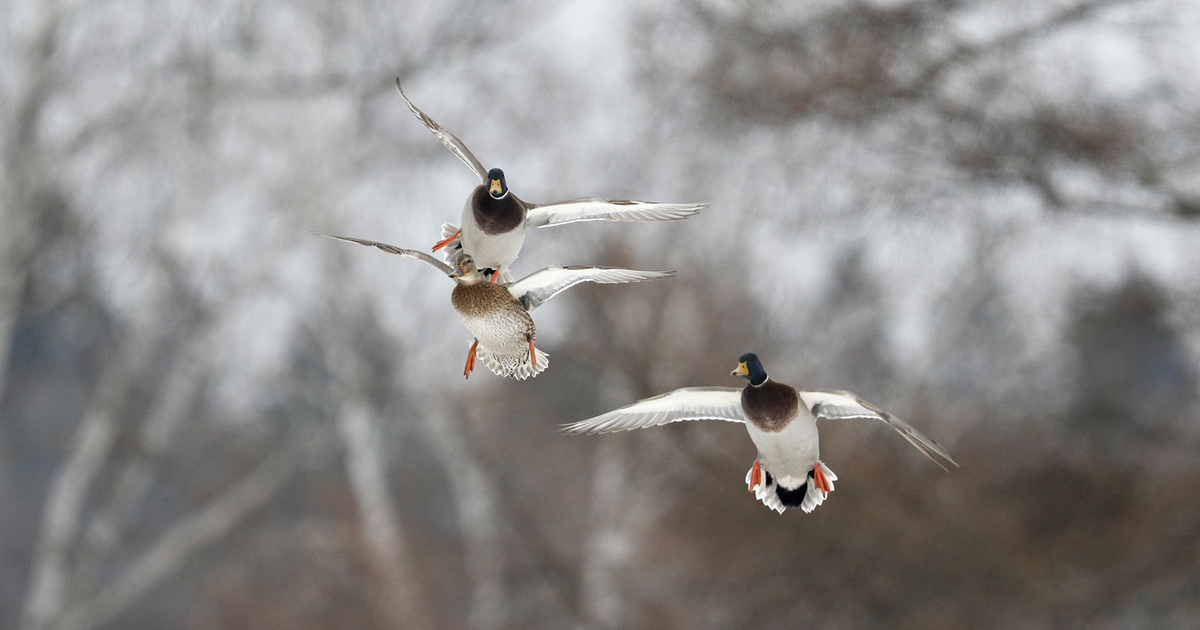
<point x="755" y="475"/>
<point x="446" y="241"/>
<point x="532" y="354"/>
<point x="820" y="481"/>
<point x="496" y="275"/>
<point x="470" y="360"/>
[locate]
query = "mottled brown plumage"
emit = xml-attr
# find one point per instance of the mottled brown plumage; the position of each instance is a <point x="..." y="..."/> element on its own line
<point x="770" y="406"/>
<point x="500" y="322"/>
<point x="484" y="297"/>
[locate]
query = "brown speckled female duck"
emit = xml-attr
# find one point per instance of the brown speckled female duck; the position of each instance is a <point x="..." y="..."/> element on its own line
<point x="782" y="422"/>
<point x="498" y="314"/>
<point x="504" y="331"/>
<point x="494" y="220"/>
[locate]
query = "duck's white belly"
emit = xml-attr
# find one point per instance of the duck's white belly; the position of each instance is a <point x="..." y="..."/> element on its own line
<point x="489" y="251"/>
<point x="502" y="333"/>
<point x="504" y="343"/>
<point x="791" y="453"/>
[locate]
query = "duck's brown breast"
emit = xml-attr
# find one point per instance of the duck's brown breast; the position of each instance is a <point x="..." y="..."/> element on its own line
<point x="482" y="298"/>
<point x="496" y="216"/>
<point x="770" y="406"/>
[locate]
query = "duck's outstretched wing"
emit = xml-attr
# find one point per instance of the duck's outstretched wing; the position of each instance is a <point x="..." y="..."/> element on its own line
<point x="392" y="249"/>
<point x="544" y="284"/>
<point x="688" y="403"/>
<point x="829" y="404"/>
<point x="455" y="145"/>
<point x="596" y="209"/>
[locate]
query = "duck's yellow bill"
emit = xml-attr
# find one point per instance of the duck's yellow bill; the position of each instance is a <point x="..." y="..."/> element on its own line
<point x="740" y="370"/>
<point x="496" y="188"/>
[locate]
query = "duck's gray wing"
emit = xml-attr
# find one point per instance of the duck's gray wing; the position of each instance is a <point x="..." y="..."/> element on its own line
<point x="830" y="404"/>
<point x="544" y="284"/>
<point x="688" y="403"/>
<point x="596" y="209"/>
<point x="399" y="251"/>
<point x="455" y="145"/>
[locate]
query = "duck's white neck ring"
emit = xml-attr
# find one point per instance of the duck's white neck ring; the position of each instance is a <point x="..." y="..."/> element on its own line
<point x="759" y="384"/>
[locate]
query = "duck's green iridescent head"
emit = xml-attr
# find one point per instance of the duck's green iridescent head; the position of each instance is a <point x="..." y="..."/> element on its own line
<point x="750" y="367"/>
<point x="496" y="186"/>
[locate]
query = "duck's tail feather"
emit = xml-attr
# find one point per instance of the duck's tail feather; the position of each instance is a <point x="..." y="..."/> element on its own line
<point x="518" y="366"/>
<point x="814" y="495"/>
<point x="806" y="496"/>
<point x="453" y="249"/>
<point x="764" y="491"/>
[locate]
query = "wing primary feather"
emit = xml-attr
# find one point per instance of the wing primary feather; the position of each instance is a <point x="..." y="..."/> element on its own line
<point x="533" y="290"/>
<point x="598" y="209"/>
<point x="448" y="139"/>
<point x="842" y="405"/>
<point x="922" y="442"/>
<point x="392" y="249"/>
<point x="689" y="403"/>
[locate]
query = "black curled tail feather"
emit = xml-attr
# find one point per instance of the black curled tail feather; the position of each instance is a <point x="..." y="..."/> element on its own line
<point x="793" y="497"/>
<point x="807" y="496"/>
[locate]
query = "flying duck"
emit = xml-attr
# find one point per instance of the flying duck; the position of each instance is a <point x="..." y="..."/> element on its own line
<point x="494" y="220"/>
<point x="782" y="422"/>
<point x="498" y="314"/>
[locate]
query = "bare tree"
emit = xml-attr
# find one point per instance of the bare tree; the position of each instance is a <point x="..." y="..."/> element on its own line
<point x="480" y="520"/>
<point x="977" y="213"/>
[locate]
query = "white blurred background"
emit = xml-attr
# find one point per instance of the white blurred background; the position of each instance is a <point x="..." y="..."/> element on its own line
<point x="982" y="215"/>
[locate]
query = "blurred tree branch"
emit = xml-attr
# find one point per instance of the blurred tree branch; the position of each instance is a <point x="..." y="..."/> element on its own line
<point x="183" y="539"/>
<point x="399" y="589"/>
<point x="23" y="163"/>
<point x="903" y="66"/>
<point x="90" y="448"/>
<point x="608" y="548"/>
<point x="479" y="519"/>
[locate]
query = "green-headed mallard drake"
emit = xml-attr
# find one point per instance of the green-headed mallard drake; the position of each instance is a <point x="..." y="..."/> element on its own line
<point x="498" y="314"/>
<point x="782" y="422"/>
<point x="494" y="220"/>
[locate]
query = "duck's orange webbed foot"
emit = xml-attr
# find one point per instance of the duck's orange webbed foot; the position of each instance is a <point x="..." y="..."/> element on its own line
<point x="532" y="354"/>
<point x="496" y="278"/>
<point x="446" y="241"/>
<point x="820" y="481"/>
<point x="755" y="476"/>
<point x="470" y="360"/>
